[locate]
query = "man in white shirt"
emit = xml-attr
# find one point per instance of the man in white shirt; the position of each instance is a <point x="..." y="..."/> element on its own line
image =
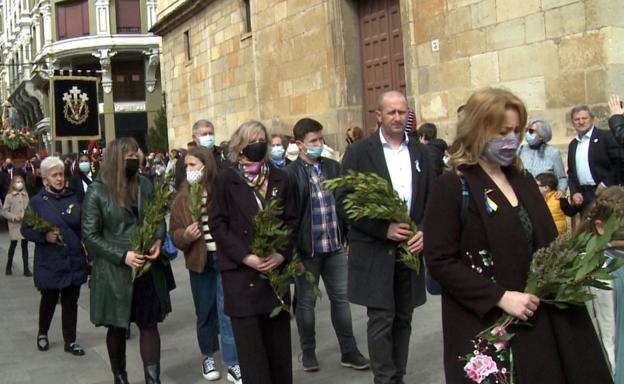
<point x="593" y="158"/>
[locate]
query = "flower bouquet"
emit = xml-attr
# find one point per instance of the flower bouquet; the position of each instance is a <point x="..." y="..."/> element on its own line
<point x="271" y="235"/>
<point x="559" y="275"/>
<point x="39" y="224"/>
<point x="17" y="138"/>
<point x="370" y="196"/>
<point x="154" y="216"/>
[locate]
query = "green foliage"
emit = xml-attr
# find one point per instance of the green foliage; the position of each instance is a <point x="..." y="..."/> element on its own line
<point x="157" y="138"/>
<point x="39" y="224"/>
<point x="271" y="235"/>
<point x="153" y="218"/>
<point x="196" y="190"/>
<point x="370" y="196"/>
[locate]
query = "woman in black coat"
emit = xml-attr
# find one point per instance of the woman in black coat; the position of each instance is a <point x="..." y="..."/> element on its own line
<point x="480" y="254"/>
<point x="240" y="191"/>
<point x="59" y="265"/>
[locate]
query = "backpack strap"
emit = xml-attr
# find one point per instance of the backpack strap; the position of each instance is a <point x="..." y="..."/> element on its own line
<point x="463" y="215"/>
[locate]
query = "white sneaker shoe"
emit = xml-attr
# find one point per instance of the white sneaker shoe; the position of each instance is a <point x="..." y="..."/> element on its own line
<point x="234" y="374"/>
<point x="208" y="369"/>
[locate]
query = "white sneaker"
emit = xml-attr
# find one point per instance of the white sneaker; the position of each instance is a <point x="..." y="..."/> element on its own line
<point x="208" y="369"/>
<point x="234" y="374"/>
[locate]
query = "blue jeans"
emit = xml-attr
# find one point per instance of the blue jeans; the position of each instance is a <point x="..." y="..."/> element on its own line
<point x="332" y="267"/>
<point x="207" y="290"/>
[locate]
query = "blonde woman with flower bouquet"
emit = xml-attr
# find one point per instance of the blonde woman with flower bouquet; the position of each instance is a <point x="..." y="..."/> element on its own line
<point x="484" y="221"/>
<point x="240" y="192"/>
<point x="191" y="234"/>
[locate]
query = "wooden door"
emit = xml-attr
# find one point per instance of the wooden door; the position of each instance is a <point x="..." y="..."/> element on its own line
<point x="382" y="53"/>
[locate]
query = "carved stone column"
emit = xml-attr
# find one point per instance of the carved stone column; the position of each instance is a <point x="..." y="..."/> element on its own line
<point x="46" y="11"/>
<point x="151" y="12"/>
<point x="151" y="68"/>
<point x="105" y="62"/>
<point x="37" y="24"/>
<point x="102" y="17"/>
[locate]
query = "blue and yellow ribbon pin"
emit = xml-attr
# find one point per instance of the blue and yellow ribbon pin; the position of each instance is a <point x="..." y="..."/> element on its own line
<point x="490" y="205"/>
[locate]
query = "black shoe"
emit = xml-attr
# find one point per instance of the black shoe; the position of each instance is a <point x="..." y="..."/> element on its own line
<point x="27" y="273"/>
<point x="8" y="271"/>
<point x="309" y="362"/>
<point x="74" y="349"/>
<point x="42" y="343"/>
<point x="355" y="360"/>
<point x="152" y="373"/>
<point x="121" y="377"/>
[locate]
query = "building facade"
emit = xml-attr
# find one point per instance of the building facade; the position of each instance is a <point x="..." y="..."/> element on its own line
<point x="109" y="39"/>
<point x="280" y="60"/>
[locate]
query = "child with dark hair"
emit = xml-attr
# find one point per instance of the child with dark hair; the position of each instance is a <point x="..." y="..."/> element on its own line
<point x="607" y="307"/>
<point x="559" y="207"/>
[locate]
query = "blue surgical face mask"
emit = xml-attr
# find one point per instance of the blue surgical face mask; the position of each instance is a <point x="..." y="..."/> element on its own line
<point x="207" y="141"/>
<point x="532" y="138"/>
<point x="84" y="166"/>
<point x="314" y="152"/>
<point x="277" y="152"/>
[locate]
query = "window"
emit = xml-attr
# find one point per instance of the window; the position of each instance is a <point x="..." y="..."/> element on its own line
<point x="128" y="80"/>
<point x="72" y="19"/>
<point x="247" y="16"/>
<point x="128" y="16"/>
<point x="187" y="45"/>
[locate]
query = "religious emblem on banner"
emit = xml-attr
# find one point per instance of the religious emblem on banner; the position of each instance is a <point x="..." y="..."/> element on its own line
<point x="76" y="108"/>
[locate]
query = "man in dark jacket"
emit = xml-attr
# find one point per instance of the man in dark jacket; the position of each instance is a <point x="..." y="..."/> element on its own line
<point x="594" y="158"/>
<point x="428" y="135"/>
<point x="320" y="246"/>
<point x="203" y="135"/>
<point x="377" y="279"/>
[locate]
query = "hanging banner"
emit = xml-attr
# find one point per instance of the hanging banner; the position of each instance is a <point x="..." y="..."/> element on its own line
<point x="74" y="108"/>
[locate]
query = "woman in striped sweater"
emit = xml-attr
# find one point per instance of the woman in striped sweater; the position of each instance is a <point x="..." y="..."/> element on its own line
<point x="194" y="239"/>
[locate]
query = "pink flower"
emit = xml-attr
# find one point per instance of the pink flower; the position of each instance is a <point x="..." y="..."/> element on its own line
<point x="480" y="367"/>
<point x="501" y="345"/>
<point x="499" y="331"/>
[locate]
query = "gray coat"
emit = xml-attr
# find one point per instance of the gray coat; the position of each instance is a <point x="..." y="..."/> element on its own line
<point x="372" y="256"/>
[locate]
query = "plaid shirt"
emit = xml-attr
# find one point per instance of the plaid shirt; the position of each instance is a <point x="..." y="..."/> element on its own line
<point x="325" y="237"/>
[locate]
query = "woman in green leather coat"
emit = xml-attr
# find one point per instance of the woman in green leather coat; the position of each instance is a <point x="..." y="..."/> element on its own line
<point x="113" y="208"/>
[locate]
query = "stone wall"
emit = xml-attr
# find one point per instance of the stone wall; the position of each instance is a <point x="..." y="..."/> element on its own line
<point x="552" y="53"/>
<point x="293" y="64"/>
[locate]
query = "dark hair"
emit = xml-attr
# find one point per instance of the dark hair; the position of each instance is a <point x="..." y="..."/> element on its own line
<point x="428" y="131"/>
<point x="210" y="172"/>
<point x="282" y="139"/>
<point x="610" y="201"/>
<point x="122" y="190"/>
<point x="305" y="126"/>
<point x="548" y="179"/>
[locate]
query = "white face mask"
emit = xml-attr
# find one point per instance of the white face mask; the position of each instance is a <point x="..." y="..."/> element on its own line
<point x="194" y="175"/>
<point x="19" y="185"/>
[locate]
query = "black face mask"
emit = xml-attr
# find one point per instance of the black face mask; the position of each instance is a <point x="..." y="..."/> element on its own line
<point x="132" y="167"/>
<point x="54" y="190"/>
<point x="256" y="151"/>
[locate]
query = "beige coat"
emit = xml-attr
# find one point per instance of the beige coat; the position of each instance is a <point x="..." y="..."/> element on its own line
<point x="14" y="206"/>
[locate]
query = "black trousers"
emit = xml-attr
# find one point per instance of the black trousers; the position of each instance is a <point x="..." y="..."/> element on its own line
<point x="389" y="331"/>
<point x="12" y="247"/>
<point x="264" y="351"/>
<point x="69" y="310"/>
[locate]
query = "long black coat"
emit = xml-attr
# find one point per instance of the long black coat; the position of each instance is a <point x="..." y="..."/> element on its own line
<point x="562" y="346"/>
<point x="56" y="266"/>
<point x="372" y="256"/>
<point x="233" y="209"/>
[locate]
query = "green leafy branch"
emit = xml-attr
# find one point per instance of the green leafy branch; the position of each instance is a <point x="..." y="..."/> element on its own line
<point x="154" y="214"/>
<point x="370" y="196"/>
<point x="196" y="191"/>
<point x="39" y="224"/>
<point x="272" y="235"/>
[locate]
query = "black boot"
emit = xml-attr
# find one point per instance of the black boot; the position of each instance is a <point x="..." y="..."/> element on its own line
<point x="152" y="373"/>
<point x="25" y="260"/>
<point x="9" y="266"/>
<point x="121" y="378"/>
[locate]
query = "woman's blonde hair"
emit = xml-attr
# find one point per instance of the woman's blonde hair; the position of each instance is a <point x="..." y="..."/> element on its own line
<point x="483" y="118"/>
<point x="123" y="190"/>
<point x="241" y="138"/>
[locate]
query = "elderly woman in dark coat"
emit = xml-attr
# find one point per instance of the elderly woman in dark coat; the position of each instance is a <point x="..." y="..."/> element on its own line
<point x="60" y="262"/>
<point x="480" y="251"/>
<point x="113" y="209"/>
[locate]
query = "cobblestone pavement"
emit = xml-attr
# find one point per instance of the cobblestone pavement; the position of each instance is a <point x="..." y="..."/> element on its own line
<point x="21" y="362"/>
